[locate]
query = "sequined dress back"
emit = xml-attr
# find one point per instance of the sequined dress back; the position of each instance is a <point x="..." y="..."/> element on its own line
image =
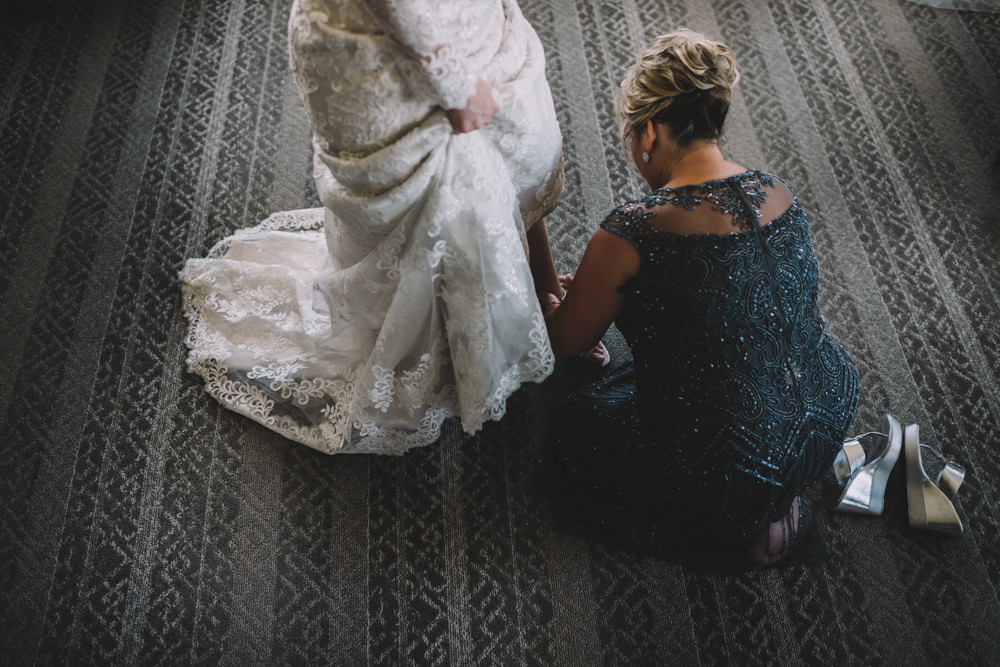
<point x="738" y="397"/>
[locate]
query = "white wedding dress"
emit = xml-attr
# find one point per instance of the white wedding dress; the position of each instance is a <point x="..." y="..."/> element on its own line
<point x="361" y="326"/>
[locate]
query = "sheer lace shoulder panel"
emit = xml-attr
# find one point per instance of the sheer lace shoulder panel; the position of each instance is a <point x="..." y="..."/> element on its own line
<point x="683" y="211"/>
<point x="625" y="220"/>
<point x="768" y="196"/>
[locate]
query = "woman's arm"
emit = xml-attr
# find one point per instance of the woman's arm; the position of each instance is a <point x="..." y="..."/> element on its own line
<point x="594" y="301"/>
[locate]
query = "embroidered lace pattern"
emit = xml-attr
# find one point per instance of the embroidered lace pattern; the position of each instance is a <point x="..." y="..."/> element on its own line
<point x="745" y="347"/>
<point x="361" y="326"/>
<point x="265" y="352"/>
<point x="738" y="398"/>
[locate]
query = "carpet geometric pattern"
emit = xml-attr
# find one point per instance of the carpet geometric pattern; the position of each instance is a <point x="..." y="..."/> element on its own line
<point x="140" y="523"/>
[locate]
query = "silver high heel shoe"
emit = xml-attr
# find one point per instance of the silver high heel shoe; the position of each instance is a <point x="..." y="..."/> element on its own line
<point x="864" y="483"/>
<point x="929" y="503"/>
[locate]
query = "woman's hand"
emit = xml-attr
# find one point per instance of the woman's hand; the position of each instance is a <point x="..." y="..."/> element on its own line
<point x="594" y="301"/>
<point x="477" y="113"/>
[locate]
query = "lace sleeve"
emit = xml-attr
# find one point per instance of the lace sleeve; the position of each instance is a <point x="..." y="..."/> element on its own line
<point x="417" y="26"/>
<point x="624" y="221"/>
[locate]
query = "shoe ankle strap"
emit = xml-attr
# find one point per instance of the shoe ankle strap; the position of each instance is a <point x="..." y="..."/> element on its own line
<point x="851" y="456"/>
<point x="865" y="435"/>
<point x="951" y="476"/>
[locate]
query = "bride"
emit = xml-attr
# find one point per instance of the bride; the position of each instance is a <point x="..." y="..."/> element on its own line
<point x="361" y="326"/>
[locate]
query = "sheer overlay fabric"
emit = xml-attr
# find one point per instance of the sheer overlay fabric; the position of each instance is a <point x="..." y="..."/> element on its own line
<point x="738" y="397"/>
<point x="407" y="298"/>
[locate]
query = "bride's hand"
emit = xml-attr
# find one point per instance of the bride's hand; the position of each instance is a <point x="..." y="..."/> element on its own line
<point x="478" y="111"/>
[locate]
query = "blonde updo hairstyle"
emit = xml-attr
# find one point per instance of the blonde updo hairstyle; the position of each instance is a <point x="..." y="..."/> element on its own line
<point x="682" y="80"/>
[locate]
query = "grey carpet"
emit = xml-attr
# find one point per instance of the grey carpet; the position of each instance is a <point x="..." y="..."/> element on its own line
<point x="142" y="524"/>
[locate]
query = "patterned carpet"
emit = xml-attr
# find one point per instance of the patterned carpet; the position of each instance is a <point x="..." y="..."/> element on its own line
<point x="142" y="524"/>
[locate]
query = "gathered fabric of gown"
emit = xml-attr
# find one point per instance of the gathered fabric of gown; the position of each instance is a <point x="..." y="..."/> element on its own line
<point x="738" y="397"/>
<point x="407" y="298"/>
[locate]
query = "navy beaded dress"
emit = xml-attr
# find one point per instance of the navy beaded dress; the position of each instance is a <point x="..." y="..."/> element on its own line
<point x="737" y="397"/>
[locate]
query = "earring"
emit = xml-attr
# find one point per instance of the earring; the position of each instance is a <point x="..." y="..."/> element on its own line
<point x="645" y="156"/>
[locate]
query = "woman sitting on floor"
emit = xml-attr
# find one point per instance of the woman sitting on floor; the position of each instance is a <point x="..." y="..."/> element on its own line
<point x="738" y="398"/>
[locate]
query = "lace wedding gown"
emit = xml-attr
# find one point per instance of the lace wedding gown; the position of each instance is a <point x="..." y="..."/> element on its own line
<point x="361" y="326"/>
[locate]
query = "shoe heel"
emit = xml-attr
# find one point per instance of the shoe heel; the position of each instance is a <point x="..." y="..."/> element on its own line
<point x="929" y="507"/>
<point x="864" y="492"/>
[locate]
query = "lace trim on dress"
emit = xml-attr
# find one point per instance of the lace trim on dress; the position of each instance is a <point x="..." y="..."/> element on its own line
<point x="719" y="193"/>
<point x="256" y="345"/>
<point x="362" y="327"/>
